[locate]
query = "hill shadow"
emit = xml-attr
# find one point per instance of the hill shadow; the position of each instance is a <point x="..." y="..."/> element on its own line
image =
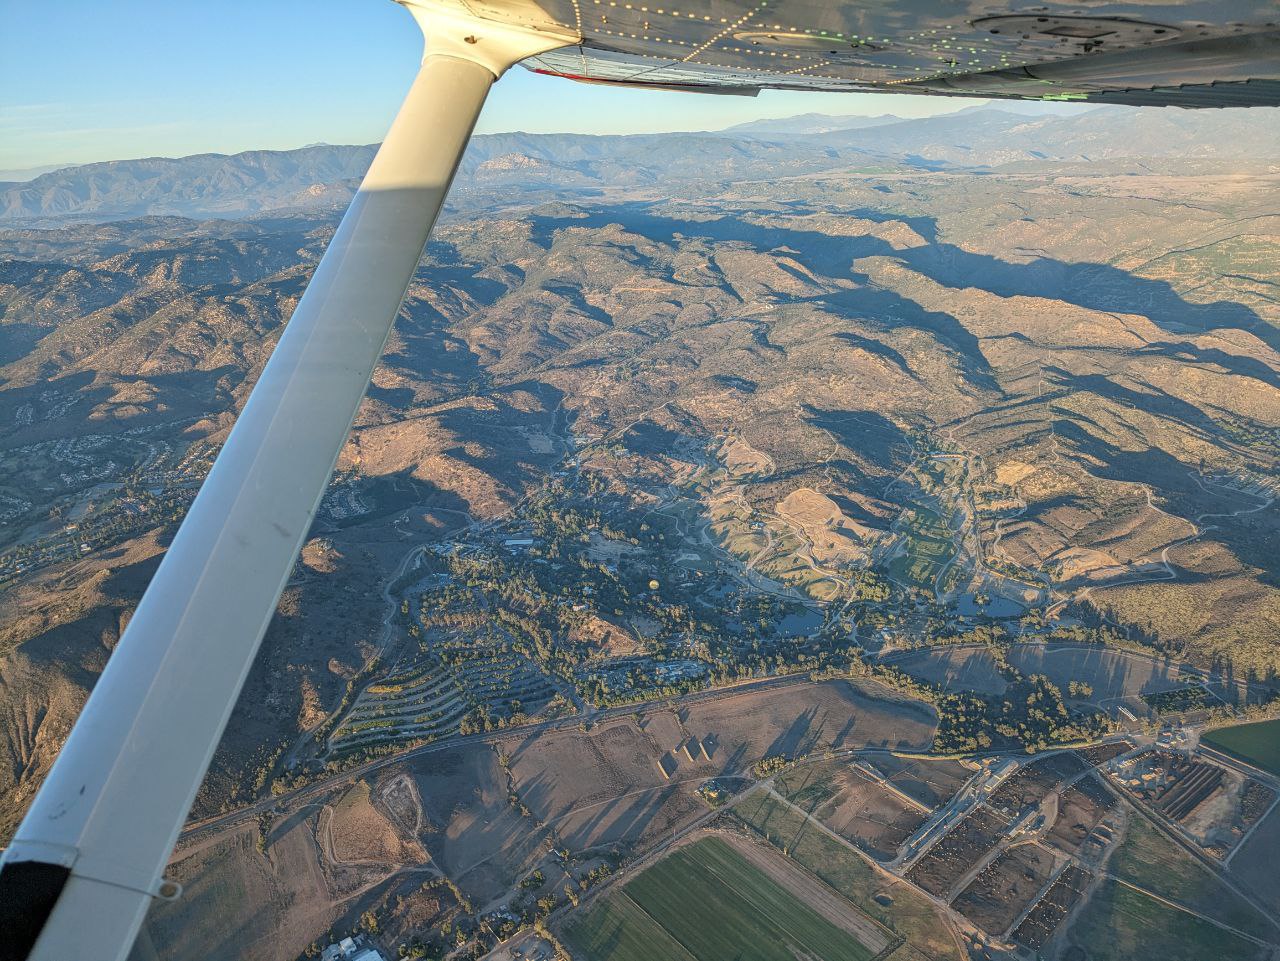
<point x="879" y="439"/>
<point x="880" y="302"/>
<point x="876" y="348"/>
<point x="1172" y="481"/>
<point x="492" y="441"/>
<point x="1154" y="402"/>
<point x="647" y="437"/>
<point x="1093" y="286"/>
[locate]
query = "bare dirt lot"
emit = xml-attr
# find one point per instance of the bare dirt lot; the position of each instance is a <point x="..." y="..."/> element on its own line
<point x="833" y="537"/>
<point x="663" y="727"/>
<point x="930" y="782"/>
<point x="358" y="832"/>
<point x="631" y="778"/>
<point x="793" y="720"/>
<point x="605" y="786"/>
<point x="873" y="818"/>
<point x="1006" y="887"/>
<point x="469" y="827"/>
<point x="1080" y="809"/>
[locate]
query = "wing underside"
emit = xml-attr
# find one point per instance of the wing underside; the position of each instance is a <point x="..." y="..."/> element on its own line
<point x="1163" y="53"/>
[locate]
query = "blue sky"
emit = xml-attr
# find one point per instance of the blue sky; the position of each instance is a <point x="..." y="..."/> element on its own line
<point x="110" y="79"/>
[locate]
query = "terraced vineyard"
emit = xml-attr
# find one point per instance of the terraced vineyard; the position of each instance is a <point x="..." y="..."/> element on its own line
<point x="432" y="699"/>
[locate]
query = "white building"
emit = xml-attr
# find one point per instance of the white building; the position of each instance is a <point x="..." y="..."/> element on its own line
<point x="351" y="949"/>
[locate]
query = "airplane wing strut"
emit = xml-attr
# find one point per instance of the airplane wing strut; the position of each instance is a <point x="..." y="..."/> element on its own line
<point x="89" y="856"/>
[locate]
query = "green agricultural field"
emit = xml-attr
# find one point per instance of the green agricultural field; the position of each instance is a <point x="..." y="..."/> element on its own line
<point x="895" y="904"/>
<point x="1256" y="743"/>
<point x="1121" y="924"/>
<point x="706" y="902"/>
<point x="618" y="929"/>
<point x="1151" y="861"/>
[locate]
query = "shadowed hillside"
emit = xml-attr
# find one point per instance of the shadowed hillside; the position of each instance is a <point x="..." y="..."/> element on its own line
<point x="883" y="381"/>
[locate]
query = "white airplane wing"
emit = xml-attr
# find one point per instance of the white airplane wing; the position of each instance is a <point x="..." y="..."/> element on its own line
<point x="1160" y="53"/>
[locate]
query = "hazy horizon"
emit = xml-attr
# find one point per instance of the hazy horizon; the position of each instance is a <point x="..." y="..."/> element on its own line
<point x="22" y="174"/>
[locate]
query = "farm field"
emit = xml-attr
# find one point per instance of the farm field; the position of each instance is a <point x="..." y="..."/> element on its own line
<point x="1151" y="861"/>
<point x="853" y="805"/>
<point x="709" y="902"/>
<point x="930" y="782"/>
<point x="880" y="896"/>
<point x="1254" y="865"/>
<point x="1117" y="677"/>
<point x="1258" y="743"/>
<point x="836" y="714"/>
<point x="1121" y="924"/>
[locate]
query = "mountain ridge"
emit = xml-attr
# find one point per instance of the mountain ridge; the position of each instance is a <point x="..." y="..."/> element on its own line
<point x="236" y="185"/>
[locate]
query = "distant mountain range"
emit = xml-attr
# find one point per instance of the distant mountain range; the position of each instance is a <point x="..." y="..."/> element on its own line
<point x="809" y="123"/>
<point x="823" y="123"/>
<point x="22" y="174"/>
<point x="218" y="185"/>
